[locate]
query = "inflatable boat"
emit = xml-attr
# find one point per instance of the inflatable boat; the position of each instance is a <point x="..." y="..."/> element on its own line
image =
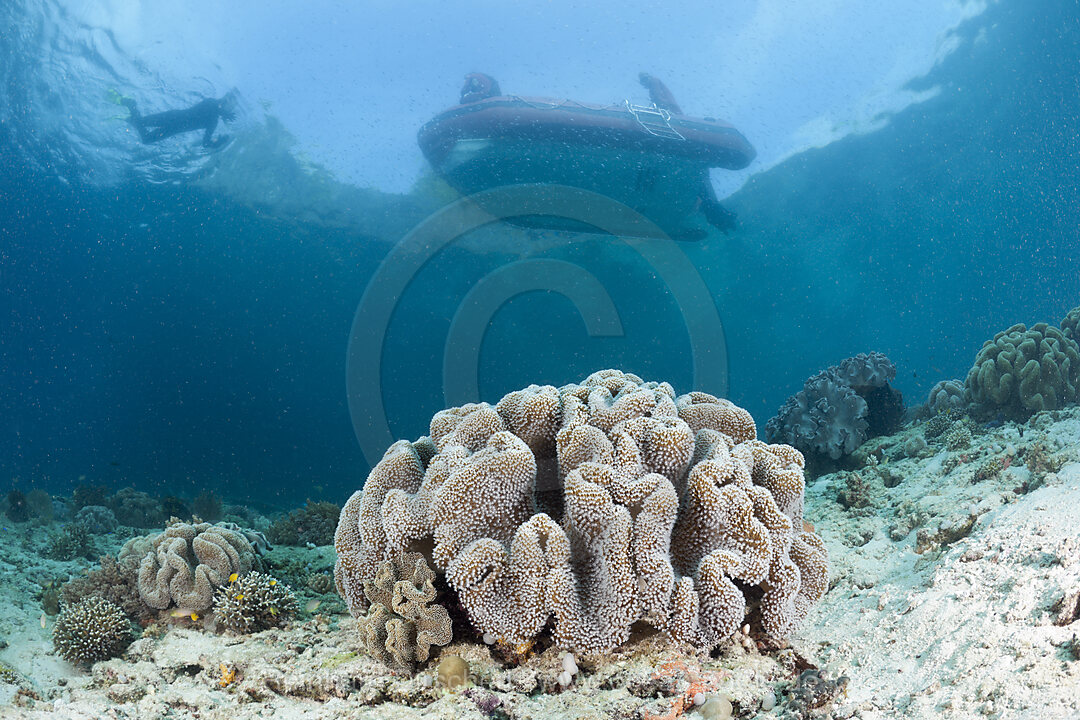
<point x="647" y="157"/>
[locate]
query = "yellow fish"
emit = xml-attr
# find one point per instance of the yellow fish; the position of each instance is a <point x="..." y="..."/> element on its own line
<point x="232" y="578"/>
<point x="313" y="605"/>
<point x="194" y="617"/>
<point x="240" y="596"/>
<point x="273" y="583"/>
<point x="274" y="611"/>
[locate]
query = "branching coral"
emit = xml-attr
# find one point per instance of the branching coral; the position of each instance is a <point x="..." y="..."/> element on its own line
<point x="402" y="624"/>
<point x="92" y="630"/>
<point x="1023" y="371"/>
<point x="591" y="507"/>
<point x="253" y="602"/>
<point x="185" y="564"/>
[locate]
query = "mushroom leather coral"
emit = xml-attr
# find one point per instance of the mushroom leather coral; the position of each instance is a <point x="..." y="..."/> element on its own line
<point x="185" y="564"/>
<point x="593" y="507"/>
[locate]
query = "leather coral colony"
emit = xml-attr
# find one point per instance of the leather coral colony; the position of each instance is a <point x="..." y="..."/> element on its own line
<point x="595" y="506"/>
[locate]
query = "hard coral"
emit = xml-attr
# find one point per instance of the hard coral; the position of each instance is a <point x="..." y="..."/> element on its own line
<point x="94" y="629"/>
<point x="1023" y="371"/>
<point x="401" y="625"/>
<point x="185" y="564"/>
<point x="591" y="507"/>
<point x="253" y="602"/>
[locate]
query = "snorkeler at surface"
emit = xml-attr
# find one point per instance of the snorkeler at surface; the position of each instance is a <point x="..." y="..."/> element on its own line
<point x="716" y="214"/>
<point x="201" y="116"/>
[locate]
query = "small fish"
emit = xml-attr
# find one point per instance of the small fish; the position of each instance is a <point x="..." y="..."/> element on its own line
<point x="240" y="596"/>
<point x="232" y="578"/>
<point x="194" y="617"/>
<point x="180" y="613"/>
<point x="273" y="583"/>
<point x="44" y="622"/>
<point x="274" y="611"/>
<point x="312" y="605"/>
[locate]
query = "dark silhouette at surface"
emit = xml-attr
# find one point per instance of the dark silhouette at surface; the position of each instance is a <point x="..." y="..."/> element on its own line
<point x="716" y="214"/>
<point x="201" y="116"/>
<point x="479" y="86"/>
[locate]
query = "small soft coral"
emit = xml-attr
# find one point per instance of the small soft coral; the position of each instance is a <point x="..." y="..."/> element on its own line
<point x="402" y="623"/>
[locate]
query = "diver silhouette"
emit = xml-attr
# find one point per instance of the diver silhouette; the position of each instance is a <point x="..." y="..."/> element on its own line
<point x="201" y="116"/>
<point x="716" y="214"/>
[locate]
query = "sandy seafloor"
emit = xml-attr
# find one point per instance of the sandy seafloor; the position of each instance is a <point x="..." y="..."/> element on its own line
<point x="952" y="597"/>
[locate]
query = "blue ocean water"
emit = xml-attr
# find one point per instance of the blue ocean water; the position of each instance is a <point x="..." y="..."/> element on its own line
<point x="179" y="319"/>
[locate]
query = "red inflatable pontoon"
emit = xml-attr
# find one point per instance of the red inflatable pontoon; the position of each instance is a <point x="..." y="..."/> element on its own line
<point x="648" y="157"/>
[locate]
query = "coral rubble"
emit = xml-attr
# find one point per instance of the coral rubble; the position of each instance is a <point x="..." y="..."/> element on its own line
<point x="591" y="507"/>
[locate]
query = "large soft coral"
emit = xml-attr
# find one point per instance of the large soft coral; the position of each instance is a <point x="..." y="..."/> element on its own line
<point x="1022" y="371"/>
<point x="593" y="507"/>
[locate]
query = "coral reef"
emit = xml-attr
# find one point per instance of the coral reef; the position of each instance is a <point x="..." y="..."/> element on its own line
<point x="258" y="541"/>
<point x="253" y="602"/>
<point x="92" y="630"/>
<point x="590" y="507"/>
<point x="402" y="624"/>
<point x="958" y="436"/>
<point x="320" y="582"/>
<point x="135" y="508"/>
<point x="185" y="564"/>
<point x="940" y="424"/>
<point x="314" y="523"/>
<point x="946" y="395"/>
<point x="96" y="518"/>
<point x="113" y="581"/>
<point x="207" y="506"/>
<point x="174" y="507"/>
<point x="74" y="541"/>
<point x="840" y="408"/>
<point x="1023" y="371"/>
<point x="15" y="507"/>
<point x="84" y="495"/>
<point x="40" y="505"/>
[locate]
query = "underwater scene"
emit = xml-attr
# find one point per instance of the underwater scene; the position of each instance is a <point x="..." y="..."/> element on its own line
<point x="540" y="360"/>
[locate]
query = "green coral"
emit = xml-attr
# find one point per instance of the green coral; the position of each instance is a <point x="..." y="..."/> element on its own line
<point x="92" y="630"/>
<point x="1070" y="326"/>
<point x="1023" y="371"/>
<point x="253" y="602"/>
